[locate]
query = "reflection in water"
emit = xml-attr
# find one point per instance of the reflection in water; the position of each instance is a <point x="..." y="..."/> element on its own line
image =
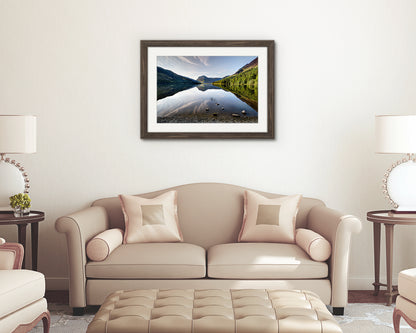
<point x="206" y="103"/>
<point x="206" y="86"/>
<point x="169" y="90"/>
<point x="246" y="94"/>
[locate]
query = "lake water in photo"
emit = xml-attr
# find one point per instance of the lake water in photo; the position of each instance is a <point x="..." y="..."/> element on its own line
<point x="206" y="103"/>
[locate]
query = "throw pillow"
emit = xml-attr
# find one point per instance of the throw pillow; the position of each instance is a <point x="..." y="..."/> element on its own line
<point x="317" y="247"/>
<point x="100" y="247"/>
<point x="269" y="220"/>
<point x="151" y="220"/>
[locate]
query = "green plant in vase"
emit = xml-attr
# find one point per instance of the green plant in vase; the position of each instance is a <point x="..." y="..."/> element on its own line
<point x="20" y="203"/>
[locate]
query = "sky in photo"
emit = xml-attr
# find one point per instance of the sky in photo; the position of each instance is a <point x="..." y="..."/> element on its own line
<point x="212" y="66"/>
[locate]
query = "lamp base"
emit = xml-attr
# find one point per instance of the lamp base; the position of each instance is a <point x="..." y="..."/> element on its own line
<point x="399" y="185"/>
<point x="13" y="179"/>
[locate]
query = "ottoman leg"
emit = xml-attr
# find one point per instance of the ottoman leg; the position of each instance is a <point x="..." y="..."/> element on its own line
<point x="396" y="320"/>
<point x="46" y="320"/>
<point x="78" y="311"/>
<point x="338" y="311"/>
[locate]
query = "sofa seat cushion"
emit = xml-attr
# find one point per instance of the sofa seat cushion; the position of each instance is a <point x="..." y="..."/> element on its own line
<point x="263" y="261"/>
<point x="151" y="261"/>
<point x="19" y="288"/>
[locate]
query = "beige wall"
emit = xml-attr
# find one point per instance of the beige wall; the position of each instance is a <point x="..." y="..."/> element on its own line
<point x="75" y="64"/>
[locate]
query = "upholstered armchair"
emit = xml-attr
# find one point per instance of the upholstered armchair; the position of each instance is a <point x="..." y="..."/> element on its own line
<point x="22" y="302"/>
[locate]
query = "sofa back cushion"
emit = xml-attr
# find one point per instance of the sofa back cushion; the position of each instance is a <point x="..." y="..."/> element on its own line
<point x="208" y="213"/>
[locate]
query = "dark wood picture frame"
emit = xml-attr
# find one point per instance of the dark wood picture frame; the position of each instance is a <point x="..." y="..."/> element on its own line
<point x="144" y="82"/>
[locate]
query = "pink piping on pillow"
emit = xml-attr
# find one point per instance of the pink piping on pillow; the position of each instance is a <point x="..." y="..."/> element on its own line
<point x="312" y="241"/>
<point x="175" y="202"/>
<point x="126" y="220"/>
<point x="244" y="217"/>
<point x="106" y="245"/>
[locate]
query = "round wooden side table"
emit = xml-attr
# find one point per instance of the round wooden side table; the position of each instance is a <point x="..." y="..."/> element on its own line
<point x="34" y="217"/>
<point x="389" y="220"/>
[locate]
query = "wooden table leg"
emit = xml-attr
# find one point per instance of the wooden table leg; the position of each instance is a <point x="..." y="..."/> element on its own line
<point x="21" y="235"/>
<point x="34" y="236"/>
<point x="389" y="261"/>
<point x="377" y="236"/>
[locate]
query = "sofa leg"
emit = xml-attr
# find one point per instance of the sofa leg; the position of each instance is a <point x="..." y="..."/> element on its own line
<point x="78" y="311"/>
<point x="338" y="311"/>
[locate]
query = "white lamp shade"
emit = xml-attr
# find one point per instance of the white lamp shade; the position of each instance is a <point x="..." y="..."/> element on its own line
<point x="396" y="134"/>
<point x="17" y="134"/>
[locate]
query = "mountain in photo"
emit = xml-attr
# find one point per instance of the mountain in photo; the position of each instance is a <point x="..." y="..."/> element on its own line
<point x="251" y="64"/>
<point x="167" y="77"/>
<point x="205" y="79"/>
<point x="169" y="83"/>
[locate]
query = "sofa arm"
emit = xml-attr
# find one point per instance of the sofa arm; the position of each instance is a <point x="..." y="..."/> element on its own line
<point x="79" y="228"/>
<point x="337" y="229"/>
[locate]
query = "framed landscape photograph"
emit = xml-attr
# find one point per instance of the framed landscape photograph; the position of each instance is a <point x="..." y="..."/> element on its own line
<point x="207" y="89"/>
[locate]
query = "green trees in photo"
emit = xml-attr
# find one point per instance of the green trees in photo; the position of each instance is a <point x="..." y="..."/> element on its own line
<point x="245" y="83"/>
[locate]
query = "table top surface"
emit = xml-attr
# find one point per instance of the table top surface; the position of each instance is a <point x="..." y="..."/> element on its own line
<point x="7" y="217"/>
<point x="389" y="217"/>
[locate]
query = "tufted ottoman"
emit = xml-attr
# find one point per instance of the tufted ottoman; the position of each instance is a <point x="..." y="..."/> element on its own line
<point x="406" y="301"/>
<point x="203" y="311"/>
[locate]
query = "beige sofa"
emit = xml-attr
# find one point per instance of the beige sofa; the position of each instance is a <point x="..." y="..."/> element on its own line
<point x="210" y="217"/>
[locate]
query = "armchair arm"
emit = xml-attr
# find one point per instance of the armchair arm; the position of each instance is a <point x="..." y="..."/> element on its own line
<point x="79" y="228"/>
<point x="11" y="255"/>
<point x="337" y="229"/>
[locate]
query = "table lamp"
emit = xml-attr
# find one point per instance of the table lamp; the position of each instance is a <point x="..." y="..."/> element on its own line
<point x="397" y="135"/>
<point x="17" y="136"/>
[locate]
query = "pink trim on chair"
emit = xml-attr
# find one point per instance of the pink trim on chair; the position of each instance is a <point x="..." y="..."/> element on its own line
<point x="18" y="252"/>
<point x="397" y="314"/>
<point x="46" y="318"/>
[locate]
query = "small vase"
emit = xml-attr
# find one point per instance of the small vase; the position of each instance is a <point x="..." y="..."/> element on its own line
<point x="19" y="212"/>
